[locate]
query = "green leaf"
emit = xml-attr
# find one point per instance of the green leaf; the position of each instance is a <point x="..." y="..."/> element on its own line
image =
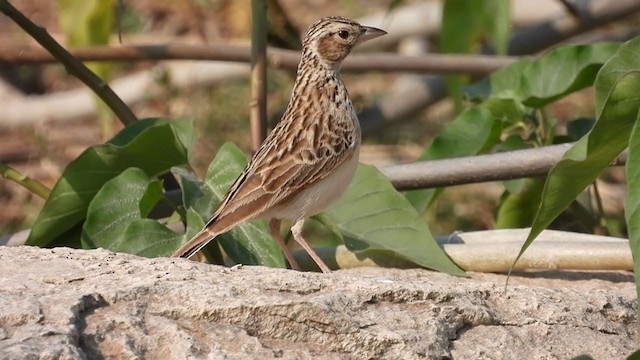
<point x="634" y="355"/>
<point x="248" y="243"/>
<point x="87" y="22"/>
<point x="514" y="186"/>
<point x="632" y="201"/>
<point x="148" y="200"/>
<point x="332" y="232"/>
<point x="115" y="217"/>
<point x="517" y="210"/>
<point x="466" y="24"/>
<point x="373" y="216"/>
<point x="184" y="134"/>
<point x="495" y="19"/>
<point x="459" y="24"/>
<point x="578" y="128"/>
<point x="460" y="19"/>
<point x="456" y="35"/>
<point x="194" y="224"/>
<point x="475" y="130"/>
<point x="617" y="103"/>
<point x="153" y="145"/>
<point x="196" y="194"/>
<point x="538" y="82"/>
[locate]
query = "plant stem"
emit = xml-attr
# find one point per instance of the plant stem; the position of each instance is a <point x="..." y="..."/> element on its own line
<point x="30" y="184"/>
<point x="73" y="65"/>
<point x="258" y="104"/>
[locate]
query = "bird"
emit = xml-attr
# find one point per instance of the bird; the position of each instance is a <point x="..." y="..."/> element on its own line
<point x="309" y="158"/>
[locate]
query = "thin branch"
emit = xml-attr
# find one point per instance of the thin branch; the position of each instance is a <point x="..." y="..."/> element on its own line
<point x="119" y="16"/>
<point x="258" y="103"/>
<point x="28" y="183"/>
<point x="73" y="65"/>
<point x="473" y="169"/>
<point x="277" y="58"/>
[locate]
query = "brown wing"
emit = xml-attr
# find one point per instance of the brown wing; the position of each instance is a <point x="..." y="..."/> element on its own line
<point x="298" y="153"/>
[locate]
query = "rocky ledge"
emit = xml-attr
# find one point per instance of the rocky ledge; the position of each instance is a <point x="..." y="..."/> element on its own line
<point x="75" y="304"/>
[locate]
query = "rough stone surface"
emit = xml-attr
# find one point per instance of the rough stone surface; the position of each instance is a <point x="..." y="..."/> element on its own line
<point x="75" y="304"/>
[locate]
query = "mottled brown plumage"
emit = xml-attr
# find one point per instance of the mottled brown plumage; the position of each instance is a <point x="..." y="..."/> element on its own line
<point x="309" y="158"/>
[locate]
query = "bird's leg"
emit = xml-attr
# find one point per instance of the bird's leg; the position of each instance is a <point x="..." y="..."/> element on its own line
<point x="296" y="230"/>
<point x="274" y="226"/>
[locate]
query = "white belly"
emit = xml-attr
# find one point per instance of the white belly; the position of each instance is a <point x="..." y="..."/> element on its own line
<point x="321" y="195"/>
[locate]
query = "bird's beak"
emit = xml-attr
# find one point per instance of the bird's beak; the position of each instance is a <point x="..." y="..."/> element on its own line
<point x="370" y="33"/>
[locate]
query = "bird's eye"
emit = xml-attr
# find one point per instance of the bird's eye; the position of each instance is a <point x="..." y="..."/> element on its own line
<point x="343" y="34"/>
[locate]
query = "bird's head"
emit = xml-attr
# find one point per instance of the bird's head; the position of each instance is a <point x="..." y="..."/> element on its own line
<point x="331" y="39"/>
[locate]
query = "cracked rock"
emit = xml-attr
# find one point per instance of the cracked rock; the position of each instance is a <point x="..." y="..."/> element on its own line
<point x="76" y="304"/>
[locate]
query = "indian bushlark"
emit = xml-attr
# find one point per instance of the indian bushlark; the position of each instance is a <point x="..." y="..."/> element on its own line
<point x="309" y="158"/>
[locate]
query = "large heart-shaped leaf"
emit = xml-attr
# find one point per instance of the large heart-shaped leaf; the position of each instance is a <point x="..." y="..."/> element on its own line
<point x="538" y="82"/>
<point x="373" y="216"/>
<point x="153" y="145"/>
<point x="118" y="222"/>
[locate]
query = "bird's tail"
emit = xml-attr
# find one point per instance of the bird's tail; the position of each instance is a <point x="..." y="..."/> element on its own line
<point x="196" y="243"/>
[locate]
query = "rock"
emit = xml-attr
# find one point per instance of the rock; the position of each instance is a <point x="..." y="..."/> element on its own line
<point x="75" y="304"/>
